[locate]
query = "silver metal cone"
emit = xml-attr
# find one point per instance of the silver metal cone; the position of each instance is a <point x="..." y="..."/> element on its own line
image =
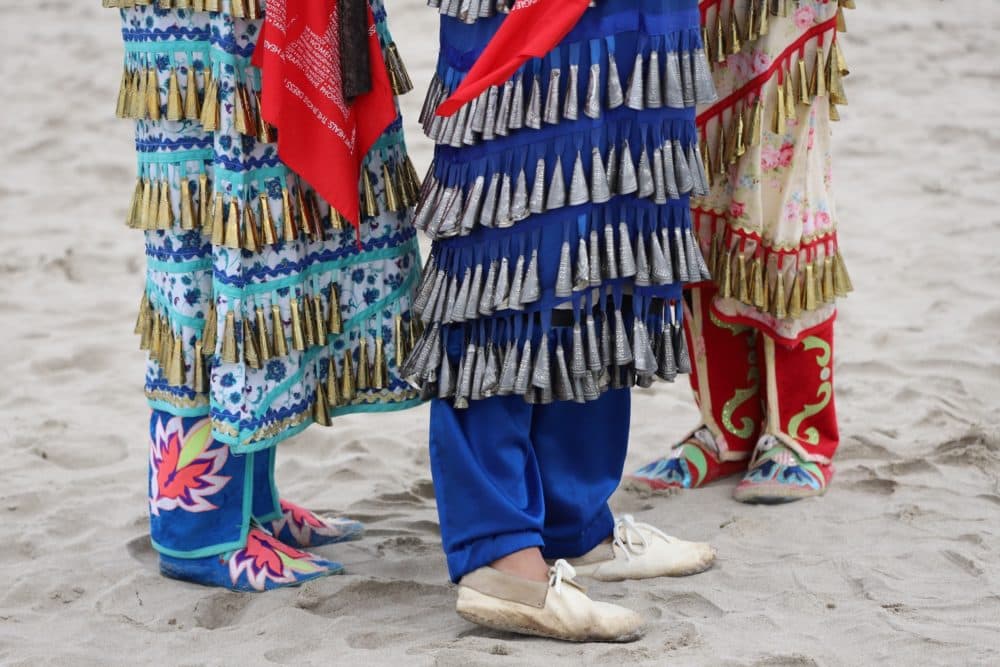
<point x="478" y="121"/>
<point x="645" y="358"/>
<point x="430" y="193"/>
<point x="516" y="120"/>
<point x="503" y="218"/>
<point x="466" y="368"/>
<point x="457" y="307"/>
<point x="594" y="362"/>
<point x="523" y="378"/>
<point x="519" y="204"/>
<point x="488" y="296"/>
<point x="475" y="294"/>
<point x="611" y="172"/>
<point x="663" y="272"/>
<point x="592" y="104"/>
<point x="654" y="96"/>
<point x="557" y="188"/>
<point x="449" y="224"/>
<point x="687" y="79"/>
<point x="531" y="291"/>
<point x="680" y="256"/>
<point x="659" y="182"/>
<point x="563" y="384"/>
<point x="578" y="191"/>
<point x="509" y="371"/>
<point x="666" y="364"/>
<point x="564" y="279"/>
<point x="626" y="258"/>
<point x="551" y="113"/>
<point x="428" y="313"/>
<point x="610" y="259"/>
<point x="492" y="107"/>
<point x="452" y="311"/>
<point x="579" y="394"/>
<point x="541" y="376"/>
<point x="478" y="375"/>
<point x="623" y="350"/>
<point x="672" y="81"/>
<point x="582" y="278"/>
<point x="468" y="134"/>
<point x="646" y="187"/>
<point x="458" y="132"/>
<point x="533" y="115"/>
<point x="704" y="85"/>
<point x="571" y="105"/>
<point x="600" y="192"/>
<point x="502" y="291"/>
<point x="607" y="361"/>
<point x="693" y="257"/>
<point x="436" y="129"/>
<point x="426" y="285"/>
<point x="491" y="374"/>
<point x="697" y="167"/>
<point x="503" y="115"/>
<point x="685" y="182"/>
<point x="627" y="180"/>
<point x="642" y="277"/>
<point x="514" y="300"/>
<point x="616" y="96"/>
<point x="590" y="390"/>
<point x="634" y="97"/>
<point x="446" y="379"/>
<point x="487" y="214"/>
<point x="472" y="205"/>
<point x="681" y="350"/>
<point x="669" y="171"/>
<point x="594" y="259"/>
<point x="431" y="101"/>
<point x="578" y="362"/>
<point x="536" y="202"/>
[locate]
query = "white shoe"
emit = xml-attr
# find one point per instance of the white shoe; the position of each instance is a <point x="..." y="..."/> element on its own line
<point x="640" y="551"/>
<point x="559" y="609"/>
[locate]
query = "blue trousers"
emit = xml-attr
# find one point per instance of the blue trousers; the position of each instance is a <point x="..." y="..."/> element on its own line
<point x="509" y="476"/>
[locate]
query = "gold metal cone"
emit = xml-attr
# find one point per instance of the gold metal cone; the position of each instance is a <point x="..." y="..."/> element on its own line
<point x="165" y="210"/>
<point x="842" y="285"/>
<point x="188" y="221"/>
<point x="391" y="200"/>
<point x="218" y="221"/>
<point x="757" y="283"/>
<point x="289" y="230"/>
<point x="742" y="287"/>
<point x="251" y="233"/>
<point x="321" y="408"/>
<point x="153" y="93"/>
<point x="803" y="82"/>
<point x="795" y="298"/>
<point x="381" y="370"/>
<point x="308" y="324"/>
<point x="332" y="383"/>
<point x="399" y="341"/>
<point x="209" y="332"/>
<point x="280" y="343"/>
<point x="175" y="105"/>
<point x="250" y="354"/>
<point x="200" y="383"/>
<point x="780" y="297"/>
<point x="347" y="390"/>
<point x="306" y="223"/>
<point x="203" y="200"/>
<point x="192" y="100"/>
<point x="121" y="106"/>
<point x="811" y="301"/>
<point x="778" y="125"/>
<point x="298" y="333"/>
<point x="263" y="341"/>
<point x="319" y="321"/>
<point x="370" y="203"/>
<point x="230" y="352"/>
<point x="364" y="371"/>
<point x="829" y="294"/>
<point x="232" y="228"/>
<point x="334" y="324"/>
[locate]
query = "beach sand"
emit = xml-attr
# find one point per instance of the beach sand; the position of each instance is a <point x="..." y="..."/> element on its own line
<point x="898" y="564"/>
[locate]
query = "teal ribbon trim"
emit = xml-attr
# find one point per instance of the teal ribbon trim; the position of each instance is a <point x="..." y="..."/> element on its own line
<point x="254" y="175"/>
<point x="163" y="406"/>
<point x="156" y="298"/>
<point x="179" y="267"/>
<point x="310" y="355"/>
<point x="199" y="46"/>
<point x="176" y="157"/>
<point x="325" y="267"/>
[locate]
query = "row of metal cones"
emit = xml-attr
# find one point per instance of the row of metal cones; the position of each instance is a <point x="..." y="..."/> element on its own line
<point x="729" y="33"/>
<point x="263" y="337"/>
<point x="235" y="222"/>
<point x="746" y="277"/>
<point x="794" y="86"/>
<point x="244" y="9"/>
<point x="469" y="11"/>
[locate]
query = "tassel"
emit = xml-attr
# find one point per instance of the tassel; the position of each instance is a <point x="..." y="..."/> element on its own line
<point x="230" y="352"/>
<point x="280" y="343"/>
<point x="298" y="330"/>
<point x="364" y="371"/>
<point x="347" y="386"/>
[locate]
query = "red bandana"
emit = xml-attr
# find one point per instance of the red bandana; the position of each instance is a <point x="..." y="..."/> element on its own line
<point x="533" y="28"/>
<point x="322" y="136"/>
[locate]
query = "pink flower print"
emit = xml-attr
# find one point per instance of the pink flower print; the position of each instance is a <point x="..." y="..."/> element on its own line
<point x="740" y="62"/>
<point x="792" y="211"/>
<point x="737" y="209"/>
<point x="822" y="219"/>
<point x="761" y="61"/>
<point x="769" y="157"/>
<point x="804" y="17"/>
<point x="786" y="154"/>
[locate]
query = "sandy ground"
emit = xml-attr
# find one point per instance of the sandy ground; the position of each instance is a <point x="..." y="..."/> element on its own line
<point x="899" y="564"/>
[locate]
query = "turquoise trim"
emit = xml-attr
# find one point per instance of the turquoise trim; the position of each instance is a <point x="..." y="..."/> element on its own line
<point x="176" y="157"/>
<point x="217" y="549"/>
<point x="156" y="298"/>
<point x="179" y="267"/>
<point x="178" y="412"/>
<point x="325" y="267"/>
<point x="251" y="176"/>
<point x="309" y="355"/>
<point x="349" y="409"/>
<point x="168" y="47"/>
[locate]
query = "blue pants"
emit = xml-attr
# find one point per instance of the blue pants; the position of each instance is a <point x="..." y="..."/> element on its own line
<point x="509" y="476"/>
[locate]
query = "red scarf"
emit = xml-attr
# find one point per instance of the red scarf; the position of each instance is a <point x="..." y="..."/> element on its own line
<point x="533" y="28"/>
<point x="322" y="136"/>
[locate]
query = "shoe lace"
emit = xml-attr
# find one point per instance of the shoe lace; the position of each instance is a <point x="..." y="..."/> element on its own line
<point x="559" y="571"/>
<point x="630" y="538"/>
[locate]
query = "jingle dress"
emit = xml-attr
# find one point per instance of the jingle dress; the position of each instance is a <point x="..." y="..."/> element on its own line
<point x="263" y="311"/>
<point x="559" y="205"/>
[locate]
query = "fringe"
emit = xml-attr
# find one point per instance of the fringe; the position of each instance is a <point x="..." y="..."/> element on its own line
<point x="669" y="71"/>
